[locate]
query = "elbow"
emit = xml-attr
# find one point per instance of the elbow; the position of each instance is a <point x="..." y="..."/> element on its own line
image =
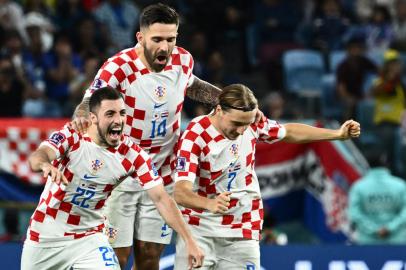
<point x="178" y="195"/>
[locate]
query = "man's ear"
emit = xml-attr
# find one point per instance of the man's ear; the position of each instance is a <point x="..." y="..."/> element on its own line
<point x="217" y="109"/>
<point x="139" y="36"/>
<point x="93" y="117"/>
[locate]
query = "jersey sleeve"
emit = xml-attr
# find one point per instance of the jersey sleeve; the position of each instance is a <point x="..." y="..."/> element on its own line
<point x="110" y="74"/>
<point x="188" y="156"/>
<point x="144" y="169"/>
<point x="62" y="140"/>
<point x="191" y="76"/>
<point x="269" y="131"/>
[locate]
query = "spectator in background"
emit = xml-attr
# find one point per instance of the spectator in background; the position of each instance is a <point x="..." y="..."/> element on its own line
<point x="45" y="26"/>
<point x="379" y="32"/>
<point x="68" y="13"/>
<point x="399" y="26"/>
<point x="198" y="48"/>
<point x="231" y="36"/>
<point x="62" y="66"/>
<point x="217" y="72"/>
<point x="377" y="206"/>
<point x="11" y="90"/>
<point x="119" y="20"/>
<point x="275" y="24"/>
<point x="13" y="50"/>
<point x="33" y="62"/>
<point x="11" y="14"/>
<point x="364" y="8"/>
<point x="390" y="104"/>
<point x="351" y="74"/>
<point x="329" y="28"/>
<point x="275" y="107"/>
<point x="81" y="82"/>
<point x="87" y="40"/>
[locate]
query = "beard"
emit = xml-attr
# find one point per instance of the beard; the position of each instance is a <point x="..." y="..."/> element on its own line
<point x="150" y="57"/>
<point x="103" y="134"/>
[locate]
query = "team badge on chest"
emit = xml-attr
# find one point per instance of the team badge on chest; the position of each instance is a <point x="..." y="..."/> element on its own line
<point x="234" y="150"/>
<point x="96" y="165"/>
<point x="160" y="92"/>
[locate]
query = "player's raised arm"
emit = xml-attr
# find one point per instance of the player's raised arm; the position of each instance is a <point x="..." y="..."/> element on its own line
<point x="81" y="120"/>
<point x="40" y="161"/>
<point x="301" y="133"/>
<point x="170" y="212"/>
<point x="203" y="91"/>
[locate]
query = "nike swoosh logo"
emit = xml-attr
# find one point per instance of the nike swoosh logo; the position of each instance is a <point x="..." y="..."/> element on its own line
<point x="87" y="177"/>
<point x="156" y="106"/>
<point x="165" y="234"/>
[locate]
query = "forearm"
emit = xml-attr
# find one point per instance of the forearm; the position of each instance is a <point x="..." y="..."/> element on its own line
<point x="82" y="110"/>
<point x="171" y="214"/>
<point x="37" y="160"/>
<point x="189" y="199"/>
<point x="301" y="133"/>
<point x="203" y="91"/>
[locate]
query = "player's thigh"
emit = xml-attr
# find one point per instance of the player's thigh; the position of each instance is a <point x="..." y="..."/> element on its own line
<point x="206" y="244"/>
<point x="33" y="258"/>
<point x="120" y="211"/>
<point x="96" y="254"/>
<point x="238" y="254"/>
<point x="149" y="224"/>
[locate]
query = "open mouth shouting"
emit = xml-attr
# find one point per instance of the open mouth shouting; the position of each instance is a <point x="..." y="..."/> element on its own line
<point x="161" y="59"/>
<point x="114" y="133"/>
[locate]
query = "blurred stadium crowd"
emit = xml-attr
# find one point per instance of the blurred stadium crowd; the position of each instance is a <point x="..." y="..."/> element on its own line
<point x="319" y="59"/>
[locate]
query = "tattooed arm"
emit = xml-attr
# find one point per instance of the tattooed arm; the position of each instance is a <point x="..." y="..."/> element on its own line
<point x="203" y="91"/>
<point x="81" y="121"/>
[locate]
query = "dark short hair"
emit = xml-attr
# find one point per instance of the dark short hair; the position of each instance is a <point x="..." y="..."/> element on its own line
<point x="104" y="93"/>
<point x="158" y="13"/>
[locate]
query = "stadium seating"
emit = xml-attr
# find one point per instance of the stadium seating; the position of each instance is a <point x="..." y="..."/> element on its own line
<point x="303" y="70"/>
<point x="335" y="58"/>
<point x="331" y="107"/>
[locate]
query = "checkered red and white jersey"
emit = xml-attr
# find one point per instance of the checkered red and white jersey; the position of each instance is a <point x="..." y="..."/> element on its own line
<point x="73" y="211"/>
<point x="216" y="164"/>
<point x="153" y="101"/>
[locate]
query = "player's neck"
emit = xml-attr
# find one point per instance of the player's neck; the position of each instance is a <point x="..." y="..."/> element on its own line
<point x="215" y="121"/>
<point x="94" y="136"/>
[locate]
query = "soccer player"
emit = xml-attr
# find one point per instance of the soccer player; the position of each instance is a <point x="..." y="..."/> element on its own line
<point x="65" y="229"/>
<point x="154" y="77"/>
<point x="216" y="183"/>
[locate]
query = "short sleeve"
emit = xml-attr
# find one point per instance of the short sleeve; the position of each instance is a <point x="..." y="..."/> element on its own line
<point x="62" y="140"/>
<point x="188" y="156"/>
<point x="269" y="131"/>
<point x="144" y="169"/>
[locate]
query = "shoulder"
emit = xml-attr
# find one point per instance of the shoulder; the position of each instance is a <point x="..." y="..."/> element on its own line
<point x="62" y="136"/>
<point x="121" y="57"/>
<point x="181" y="51"/>
<point x="199" y="124"/>
<point x="196" y="128"/>
<point x="181" y="57"/>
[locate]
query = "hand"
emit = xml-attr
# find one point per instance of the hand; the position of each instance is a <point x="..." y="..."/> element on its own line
<point x="56" y="175"/>
<point x="195" y="255"/>
<point x="258" y="116"/>
<point x="219" y="205"/>
<point x="80" y="124"/>
<point x="350" y="129"/>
